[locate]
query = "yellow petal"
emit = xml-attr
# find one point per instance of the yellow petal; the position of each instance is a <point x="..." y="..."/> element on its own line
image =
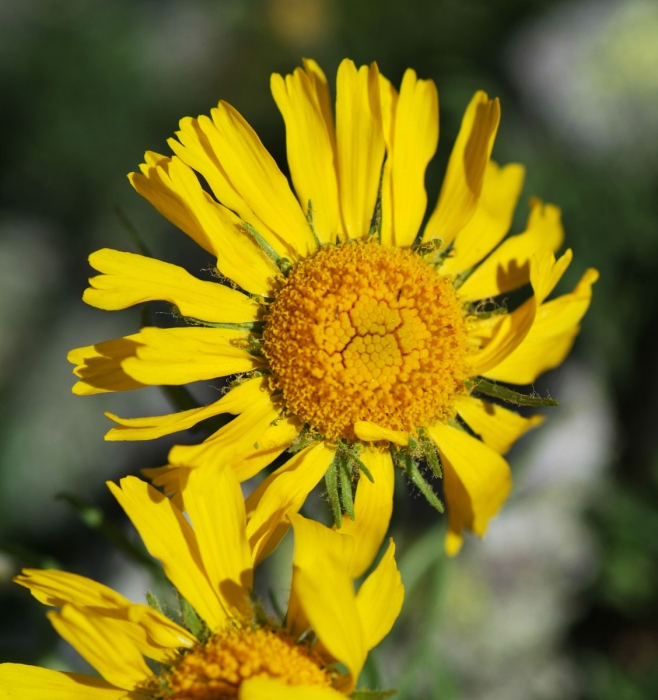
<point x="316" y="540"/>
<point x="564" y="313"/>
<point x="21" y="682"/>
<point x="155" y="183"/>
<point x="360" y="143"/>
<point x="182" y="355"/>
<point x="491" y="220"/>
<point x="153" y="634"/>
<point x="257" y="178"/>
<point x="214" y="502"/>
<point x="278" y="436"/>
<point x="174" y="190"/>
<point x="465" y="172"/>
<point x="53" y="587"/>
<point x="271" y="689"/>
<point x="497" y="426"/>
<point x="230" y="442"/>
<point x="533" y="358"/>
<point x="237" y="400"/>
<point x="550" y="338"/>
<point x="310" y="151"/>
<point x="508" y="267"/>
<point x="321" y="89"/>
<point x="476" y="481"/>
<point x="99" y="366"/>
<point x="454" y="540"/>
<point x="130" y="279"/>
<point x="159" y="630"/>
<point x="388" y="97"/>
<point x="284" y="492"/>
<point x="506" y="335"/>
<point x="371" y="432"/>
<point x="414" y="144"/>
<point x="169" y="538"/>
<point x="373" y="507"/>
<point x="172" y="480"/>
<point x="199" y="147"/>
<point x="380" y="598"/>
<point x="512" y="329"/>
<point x="323" y="589"/>
<point x="546" y="272"/>
<point x="103" y="644"/>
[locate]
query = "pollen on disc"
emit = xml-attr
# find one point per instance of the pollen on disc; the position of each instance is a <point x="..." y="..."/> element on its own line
<point x="362" y="332"/>
<point x="216" y="670"/>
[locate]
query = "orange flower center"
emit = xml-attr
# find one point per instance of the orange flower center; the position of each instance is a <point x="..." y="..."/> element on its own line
<point x="215" y="670"/>
<point x="362" y="332"/>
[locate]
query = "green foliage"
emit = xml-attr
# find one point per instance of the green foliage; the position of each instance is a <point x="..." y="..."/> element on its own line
<point x="95" y="519"/>
<point x="372" y="694"/>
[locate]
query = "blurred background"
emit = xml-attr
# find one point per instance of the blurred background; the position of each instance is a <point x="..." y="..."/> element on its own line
<point x="561" y="598"/>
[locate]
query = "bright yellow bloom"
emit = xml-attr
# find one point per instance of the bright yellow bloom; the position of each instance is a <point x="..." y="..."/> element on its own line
<point x="352" y="325"/>
<point x="235" y="650"/>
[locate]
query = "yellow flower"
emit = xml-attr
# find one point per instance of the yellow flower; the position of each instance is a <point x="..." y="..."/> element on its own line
<point x="230" y="649"/>
<point x="350" y="324"/>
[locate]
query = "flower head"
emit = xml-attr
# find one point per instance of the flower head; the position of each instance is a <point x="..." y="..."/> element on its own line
<point x="350" y="324"/>
<point x="226" y="647"/>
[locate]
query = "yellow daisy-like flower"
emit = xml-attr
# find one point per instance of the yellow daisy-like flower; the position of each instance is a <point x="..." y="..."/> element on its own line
<point x="352" y="325"/>
<point x="229" y="648"/>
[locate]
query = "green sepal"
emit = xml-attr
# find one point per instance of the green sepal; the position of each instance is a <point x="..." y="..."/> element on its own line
<point x="351" y="453"/>
<point x="153" y="602"/>
<point x="282" y="263"/>
<point x="192" y="621"/>
<point x="373" y="694"/>
<point x="262" y="243"/>
<point x="163" y="686"/>
<point x="252" y="326"/>
<point x="431" y="454"/>
<point x="482" y="386"/>
<point x="305" y="438"/>
<point x="376" y="220"/>
<point x="362" y="467"/>
<point x="345" y="476"/>
<point x="420" y="483"/>
<point x="484" y="315"/>
<point x="428" y="247"/>
<point x="310" y="217"/>
<point x="404" y="460"/>
<point x="331" y="482"/>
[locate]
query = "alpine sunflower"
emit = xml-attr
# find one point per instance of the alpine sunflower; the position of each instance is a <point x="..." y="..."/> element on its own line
<point x="350" y="323"/>
<point x="225" y="646"/>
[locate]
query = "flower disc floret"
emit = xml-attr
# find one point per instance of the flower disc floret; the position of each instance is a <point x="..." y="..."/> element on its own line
<point x="363" y="332"/>
<point x="215" y="670"/>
